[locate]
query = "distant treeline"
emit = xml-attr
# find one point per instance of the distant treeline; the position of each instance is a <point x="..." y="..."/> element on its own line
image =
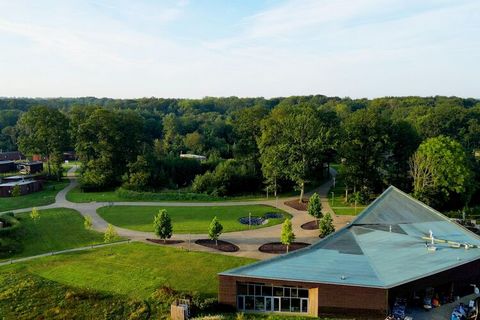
<point x="254" y="143"/>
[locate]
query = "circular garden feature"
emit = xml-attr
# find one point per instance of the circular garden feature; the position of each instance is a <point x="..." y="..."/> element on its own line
<point x="220" y="245"/>
<point x="278" y="247"/>
<point x="253" y="221"/>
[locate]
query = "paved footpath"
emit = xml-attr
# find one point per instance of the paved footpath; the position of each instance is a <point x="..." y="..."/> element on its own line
<point x="248" y="241"/>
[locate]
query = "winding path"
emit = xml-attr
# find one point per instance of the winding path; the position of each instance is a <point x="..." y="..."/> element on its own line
<point x="248" y="241"/>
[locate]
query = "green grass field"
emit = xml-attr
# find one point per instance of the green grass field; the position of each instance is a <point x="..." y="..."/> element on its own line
<point x="134" y="269"/>
<point x="57" y="229"/>
<point x="36" y="199"/>
<point x="186" y="219"/>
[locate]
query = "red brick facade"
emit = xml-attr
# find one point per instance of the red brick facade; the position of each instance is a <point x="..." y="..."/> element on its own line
<point x="324" y="299"/>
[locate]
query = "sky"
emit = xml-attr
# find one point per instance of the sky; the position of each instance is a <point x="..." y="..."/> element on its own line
<point x="270" y="48"/>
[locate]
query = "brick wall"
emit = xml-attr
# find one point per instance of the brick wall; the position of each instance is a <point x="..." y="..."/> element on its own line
<point x="324" y="298"/>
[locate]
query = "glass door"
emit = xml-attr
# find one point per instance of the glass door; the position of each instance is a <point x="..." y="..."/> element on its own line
<point x="304" y="305"/>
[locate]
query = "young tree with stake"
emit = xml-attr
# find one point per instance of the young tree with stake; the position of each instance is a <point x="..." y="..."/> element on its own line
<point x="288" y="237"/>
<point x="326" y="225"/>
<point x="315" y="207"/>
<point x="215" y="230"/>
<point x="162" y="225"/>
<point x="35" y="215"/>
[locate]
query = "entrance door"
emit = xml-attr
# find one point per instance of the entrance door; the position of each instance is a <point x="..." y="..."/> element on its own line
<point x="276" y="304"/>
<point x="268" y="304"/>
<point x="304" y="305"/>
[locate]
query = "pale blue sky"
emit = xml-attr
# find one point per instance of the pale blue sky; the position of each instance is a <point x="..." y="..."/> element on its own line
<point x="196" y="48"/>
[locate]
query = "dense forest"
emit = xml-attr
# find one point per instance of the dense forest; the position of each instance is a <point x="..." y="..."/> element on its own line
<point x="425" y="146"/>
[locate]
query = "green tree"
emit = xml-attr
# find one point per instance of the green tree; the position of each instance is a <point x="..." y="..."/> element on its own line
<point x="106" y="142"/>
<point x="162" y="225"/>
<point x="315" y="207"/>
<point x="44" y="131"/>
<point x="287" y="237"/>
<point x="296" y="138"/>
<point x="16" y="192"/>
<point x="87" y="222"/>
<point x="364" y="146"/>
<point x="326" y="225"/>
<point x="35" y="215"/>
<point x="110" y="234"/>
<point x="439" y="168"/>
<point x="215" y="230"/>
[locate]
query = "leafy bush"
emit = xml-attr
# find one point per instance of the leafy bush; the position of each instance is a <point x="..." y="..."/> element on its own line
<point x="11" y="226"/>
<point x="162" y="196"/>
<point x="9" y="235"/>
<point x="229" y="177"/>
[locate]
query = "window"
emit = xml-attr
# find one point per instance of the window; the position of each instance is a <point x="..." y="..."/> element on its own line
<point x="265" y="298"/>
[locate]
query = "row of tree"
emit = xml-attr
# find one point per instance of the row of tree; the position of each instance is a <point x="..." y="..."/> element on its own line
<point x="255" y="144"/>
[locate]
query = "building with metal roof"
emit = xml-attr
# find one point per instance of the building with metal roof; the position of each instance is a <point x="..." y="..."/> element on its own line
<point x="397" y="246"/>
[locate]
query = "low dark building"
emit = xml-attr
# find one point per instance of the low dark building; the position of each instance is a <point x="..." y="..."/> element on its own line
<point x="11" y="156"/>
<point x="26" y="187"/>
<point x="7" y="166"/>
<point x="69" y="156"/>
<point x="397" y="249"/>
<point x="30" y="167"/>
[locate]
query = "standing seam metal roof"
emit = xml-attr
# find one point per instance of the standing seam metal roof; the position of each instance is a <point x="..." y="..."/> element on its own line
<point x="366" y="253"/>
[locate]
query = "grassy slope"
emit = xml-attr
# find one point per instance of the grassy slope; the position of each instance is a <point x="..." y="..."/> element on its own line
<point x="57" y="229"/>
<point x="186" y="219"/>
<point x="41" y="198"/>
<point x="134" y="269"/>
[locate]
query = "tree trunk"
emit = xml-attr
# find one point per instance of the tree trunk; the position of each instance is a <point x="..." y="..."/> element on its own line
<point x="288" y="247"/>
<point x="302" y="191"/>
<point x="165" y="240"/>
<point x="275" y="190"/>
<point x="346" y="194"/>
<point x="216" y="242"/>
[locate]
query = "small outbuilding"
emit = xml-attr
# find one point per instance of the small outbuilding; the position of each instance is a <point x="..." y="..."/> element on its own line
<point x="30" y="167"/>
<point x="398" y="248"/>
<point x="26" y="187"/>
<point x="7" y="166"/>
<point x="11" y="155"/>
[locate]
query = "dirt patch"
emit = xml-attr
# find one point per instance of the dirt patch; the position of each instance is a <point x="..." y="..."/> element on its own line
<point x="277" y="247"/>
<point x="160" y="241"/>
<point x="297" y="205"/>
<point x="221" y="246"/>
<point x="312" y="225"/>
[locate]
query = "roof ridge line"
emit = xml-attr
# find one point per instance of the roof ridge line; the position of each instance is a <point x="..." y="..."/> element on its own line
<point x="371" y="264"/>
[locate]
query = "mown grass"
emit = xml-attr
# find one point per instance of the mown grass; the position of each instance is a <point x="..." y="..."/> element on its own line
<point x="336" y="197"/>
<point x="36" y="199"/>
<point x="187" y="219"/>
<point x="56" y="229"/>
<point x="134" y="269"/>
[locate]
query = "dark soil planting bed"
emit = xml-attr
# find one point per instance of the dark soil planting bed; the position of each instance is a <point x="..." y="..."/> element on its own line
<point x="297" y="205"/>
<point x="160" y="241"/>
<point x="277" y="247"/>
<point x="312" y="225"/>
<point x="222" y="245"/>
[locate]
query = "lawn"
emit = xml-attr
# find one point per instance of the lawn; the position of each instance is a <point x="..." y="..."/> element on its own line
<point x="57" y="229"/>
<point x="336" y="197"/>
<point x="187" y="219"/>
<point x="134" y="269"/>
<point x="36" y="199"/>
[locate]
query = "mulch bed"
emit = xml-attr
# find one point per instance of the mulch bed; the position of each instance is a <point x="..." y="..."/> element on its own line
<point x="160" y="241"/>
<point x="297" y="205"/>
<point x="222" y="245"/>
<point x="278" y="247"/>
<point x="312" y="225"/>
